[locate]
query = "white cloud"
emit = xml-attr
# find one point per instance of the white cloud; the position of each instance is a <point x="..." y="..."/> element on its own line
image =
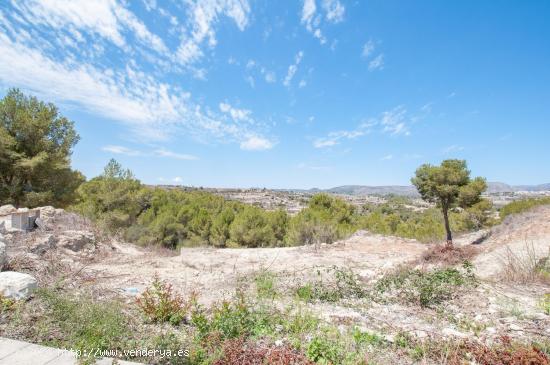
<point x="334" y="13"/>
<point x="106" y="18"/>
<point x="178" y="156"/>
<point x="161" y="152"/>
<point x="302" y="84"/>
<point x="334" y="10"/>
<point x="177" y="180"/>
<point x="387" y="158"/>
<point x="236" y="114"/>
<point x="203" y="15"/>
<point x="293" y="68"/>
<point x="121" y="150"/>
<point x="377" y="63"/>
<point x="368" y="49"/>
<point x="453" y="149"/>
<point x="270" y="77"/>
<point x="333" y="138"/>
<point x="256" y="143"/>
<point x="152" y="109"/>
<point x="394" y="121"/>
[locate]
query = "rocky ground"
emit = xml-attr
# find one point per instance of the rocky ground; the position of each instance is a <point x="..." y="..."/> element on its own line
<point x="505" y="301"/>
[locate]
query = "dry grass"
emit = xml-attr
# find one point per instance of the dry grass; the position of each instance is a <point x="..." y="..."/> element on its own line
<point x="238" y="351"/>
<point x="525" y="266"/>
<point x="449" y="255"/>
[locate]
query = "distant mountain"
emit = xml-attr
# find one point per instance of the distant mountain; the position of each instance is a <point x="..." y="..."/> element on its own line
<point x="374" y="190"/>
<point x="410" y="191"/>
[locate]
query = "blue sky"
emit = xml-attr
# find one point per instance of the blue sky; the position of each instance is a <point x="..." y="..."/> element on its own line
<point x="315" y="93"/>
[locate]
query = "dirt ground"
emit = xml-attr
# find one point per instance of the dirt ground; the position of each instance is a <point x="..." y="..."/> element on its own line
<point x="215" y="273"/>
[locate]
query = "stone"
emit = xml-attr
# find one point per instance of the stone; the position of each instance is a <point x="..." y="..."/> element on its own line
<point x="451" y="332"/>
<point x="42" y="244"/>
<point x="16" y="285"/>
<point x="7" y="209"/>
<point x="76" y="240"/>
<point x="3" y="255"/>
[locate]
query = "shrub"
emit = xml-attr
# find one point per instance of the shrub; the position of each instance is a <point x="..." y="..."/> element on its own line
<point x="425" y="288"/>
<point x="520" y="206"/>
<point x="526" y="265"/>
<point x="334" y="285"/>
<point x="159" y="303"/>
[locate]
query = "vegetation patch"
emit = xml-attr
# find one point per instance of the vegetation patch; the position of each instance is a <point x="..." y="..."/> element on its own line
<point x="332" y="285"/>
<point x="238" y="351"/>
<point x="82" y="324"/>
<point x="520" y="206"/>
<point x="449" y="255"/>
<point x="159" y="303"/>
<point x="425" y="288"/>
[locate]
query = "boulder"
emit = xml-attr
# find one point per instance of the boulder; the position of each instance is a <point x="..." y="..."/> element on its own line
<point x="3" y="255"/>
<point x="7" y="209"/>
<point x="16" y="285"/>
<point x="76" y="240"/>
<point x="42" y="244"/>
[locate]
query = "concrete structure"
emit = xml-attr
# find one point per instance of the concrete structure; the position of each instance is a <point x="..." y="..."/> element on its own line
<point x="22" y="219"/>
<point x="14" y="352"/>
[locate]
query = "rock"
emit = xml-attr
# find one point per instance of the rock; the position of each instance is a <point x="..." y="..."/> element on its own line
<point x="451" y="332"/>
<point x="7" y="209"/>
<point x="3" y="255"/>
<point x="76" y="240"/>
<point x="16" y="285"/>
<point x="42" y="244"/>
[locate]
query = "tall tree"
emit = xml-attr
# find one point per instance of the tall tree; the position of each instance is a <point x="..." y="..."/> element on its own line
<point x="36" y="143"/>
<point x="449" y="186"/>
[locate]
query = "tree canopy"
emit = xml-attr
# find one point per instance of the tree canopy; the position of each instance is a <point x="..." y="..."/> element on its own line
<point x="36" y="143"/>
<point x="449" y="186"/>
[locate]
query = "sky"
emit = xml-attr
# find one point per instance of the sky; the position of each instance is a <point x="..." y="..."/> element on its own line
<point x="289" y="94"/>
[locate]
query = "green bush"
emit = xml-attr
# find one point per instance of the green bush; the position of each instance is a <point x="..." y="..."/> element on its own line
<point x="520" y="206"/>
<point x="425" y="288"/>
<point x="159" y="303"/>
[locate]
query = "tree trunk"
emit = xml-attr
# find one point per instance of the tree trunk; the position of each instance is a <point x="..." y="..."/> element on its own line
<point x="447" y="226"/>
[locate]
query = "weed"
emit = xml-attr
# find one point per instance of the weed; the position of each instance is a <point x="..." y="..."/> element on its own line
<point x="323" y="351"/>
<point x="340" y="284"/>
<point x="544" y="303"/>
<point x="366" y="338"/>
<point x="426" y="288"/>
<point x="6" y="304"/>
<point x="159" y="303"/>
<point x="265" y="285"/>
<point x="82" y="323"/>
<point x="525" y="266"/>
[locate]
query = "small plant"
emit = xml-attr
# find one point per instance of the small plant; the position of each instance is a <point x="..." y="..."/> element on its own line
<point x="265" y="285"/>
<point x="340" y="284"/>
<point x="159" y="303"/>
<point x="545" y="303"/>
<point x="6" y="304"/>
<point x="323" y="351"/>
